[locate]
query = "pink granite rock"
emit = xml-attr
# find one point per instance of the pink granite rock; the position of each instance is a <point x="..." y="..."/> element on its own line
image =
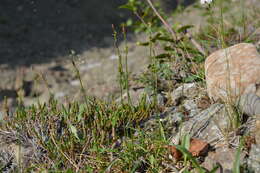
<point x="232" y="72"/>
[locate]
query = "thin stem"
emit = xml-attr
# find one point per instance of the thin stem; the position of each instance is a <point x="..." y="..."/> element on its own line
<point x="173" y="33"/>
<point x="120" y="66"/>
<point x="168" y="27"/>
<point x="126" y="66"/>
<point x="64" y="154"/>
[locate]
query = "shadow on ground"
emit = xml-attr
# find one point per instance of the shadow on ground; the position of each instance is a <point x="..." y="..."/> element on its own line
<point x="37" y="31"/>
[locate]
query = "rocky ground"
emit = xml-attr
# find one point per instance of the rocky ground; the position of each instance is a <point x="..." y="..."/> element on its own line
<point x="38" y="44"/>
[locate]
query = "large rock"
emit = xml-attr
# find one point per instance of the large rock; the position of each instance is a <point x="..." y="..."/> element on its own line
<point x="232" y="72"/>
<point x="254" y="154"/>
<point x="249" y="104"/>
<point x="254" y="158"/>
<point x="223" y="156"/>
<point x="208" y="125"/>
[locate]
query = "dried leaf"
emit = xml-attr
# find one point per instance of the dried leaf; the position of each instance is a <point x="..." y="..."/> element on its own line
<point x="175" y="153"/>
<point x="198" y="147"/>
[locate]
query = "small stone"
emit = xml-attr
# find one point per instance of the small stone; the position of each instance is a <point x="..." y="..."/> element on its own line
<point x="203" y="102"/>
<point x="191" y="106"/>
<point x="160" y="100"/>
<point x="254" y="158"/>
<point x="232" y="72"/>
<point x="188" y="90"/>
<point x="75" y="82"/>
<point x="113" y="57"/>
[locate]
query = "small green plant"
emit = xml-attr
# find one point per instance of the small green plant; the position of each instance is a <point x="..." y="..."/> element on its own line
<point x="175" y="50"/>
<point x="66" y="133"/>
<point x="237" y="162"/>
<point x="122" y="65"/>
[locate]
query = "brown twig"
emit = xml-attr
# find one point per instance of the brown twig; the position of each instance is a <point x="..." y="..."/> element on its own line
<point x="168" y="27"/>
<point x="173" y="33"/>
<point x="196" y="44"/>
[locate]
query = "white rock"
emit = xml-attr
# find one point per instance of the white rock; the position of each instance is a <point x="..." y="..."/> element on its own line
<point x="113" y="57"/>
<point x="59" y="95"/>
<point x="75" y="82"/>
<point x="232" y="72"/>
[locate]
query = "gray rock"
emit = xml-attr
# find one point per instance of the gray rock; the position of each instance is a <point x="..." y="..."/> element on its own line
<point x="254" y="158"/>
<point x="223" y="156"/>
<point x="59" y="94"/>
<point x="191" y="106"/>
<point x="171" y="120"/>
<point x="207" y="125"/>
<point x="75" y="82"/>
<point x="188" y="90"/>
<point x="249" y="104"/>
<point x="160" y="99"/>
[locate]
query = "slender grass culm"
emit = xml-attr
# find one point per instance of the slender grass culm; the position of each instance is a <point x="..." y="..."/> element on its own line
<point x="123" y="73"/>
<point x="126" y="66"/>
<point x="82" y="88"/>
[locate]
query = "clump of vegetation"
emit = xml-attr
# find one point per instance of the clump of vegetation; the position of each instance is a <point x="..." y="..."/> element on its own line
<point x="69" y="136"/>
<point x="99" y="136"/>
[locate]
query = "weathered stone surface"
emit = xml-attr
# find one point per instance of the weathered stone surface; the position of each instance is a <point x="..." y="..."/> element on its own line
<point x="191" y="107"/>
<point x="254" y="158"/>
<point x="257" y="130"/>
<point x="249" y="104"/>
<point x="224" y="156"/>
<point x="188" y="90"/>
<point x="208" y="125"/>
<point x="233" y="71"/>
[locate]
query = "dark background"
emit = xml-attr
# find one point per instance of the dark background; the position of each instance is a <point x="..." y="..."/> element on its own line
<point x="36" y="31"/>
